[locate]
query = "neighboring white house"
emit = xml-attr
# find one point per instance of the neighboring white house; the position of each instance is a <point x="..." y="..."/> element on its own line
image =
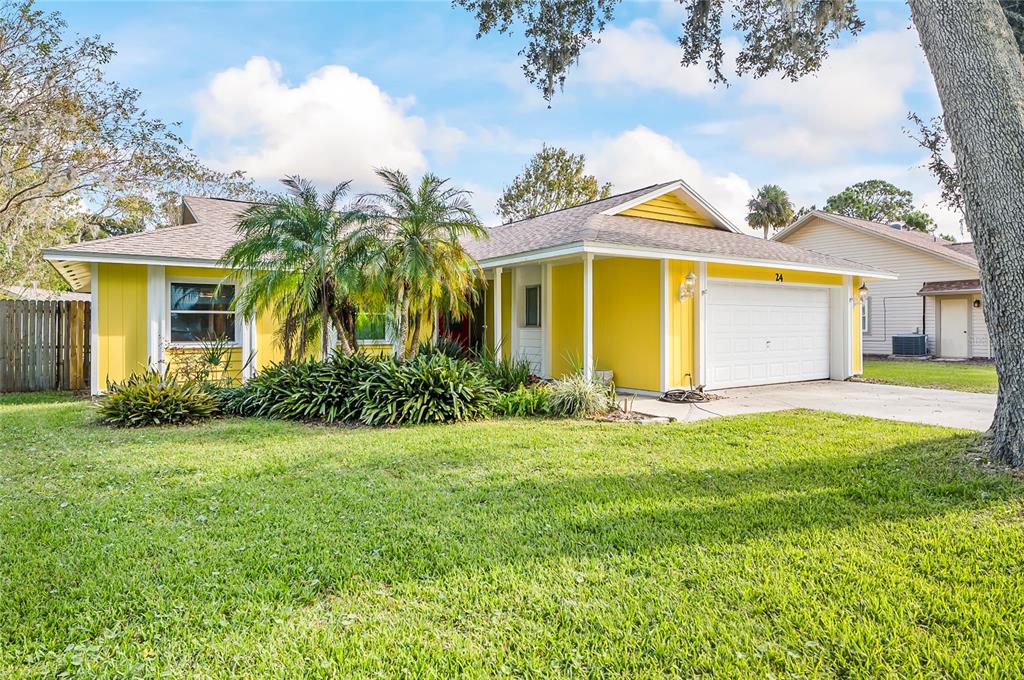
<point x="937" y="292"/>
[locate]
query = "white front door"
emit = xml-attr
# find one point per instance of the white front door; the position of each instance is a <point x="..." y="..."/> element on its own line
<point x="759" y="335"/>
<point x="953" y="314"/>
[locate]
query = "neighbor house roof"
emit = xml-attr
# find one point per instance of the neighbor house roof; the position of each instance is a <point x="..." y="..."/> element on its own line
<point x="961" y="253"/>
<point x="36" y="293"/>
<point x="594" y="224"/>
<point x="950" y="287"/>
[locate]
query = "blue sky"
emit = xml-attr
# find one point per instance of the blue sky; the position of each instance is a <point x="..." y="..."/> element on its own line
<point x="329" y="90"/>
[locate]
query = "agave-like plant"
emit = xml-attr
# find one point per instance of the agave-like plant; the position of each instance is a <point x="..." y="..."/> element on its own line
<point x="297" y="257"/>
<point x="413" y="240"/>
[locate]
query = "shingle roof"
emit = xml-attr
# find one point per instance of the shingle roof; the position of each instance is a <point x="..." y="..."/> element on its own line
<point x="215" y="230"/>
<point x="940" y="287"/>
<point x="586" y="224"/>
<point x="964" y="249"/>
<point x="917" y="239"/>
<point x="206" y="239"/>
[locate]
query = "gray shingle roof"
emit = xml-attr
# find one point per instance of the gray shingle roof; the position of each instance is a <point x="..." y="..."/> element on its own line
<point x="215" y="230"/>
<point x="940" y="287"/>
<point x="586" y="224"/>
<point x="206" y="239"/>
<point x="964" y="249"/>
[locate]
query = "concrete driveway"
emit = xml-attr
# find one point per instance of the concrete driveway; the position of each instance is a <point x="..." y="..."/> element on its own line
<point x="965" y="410"/>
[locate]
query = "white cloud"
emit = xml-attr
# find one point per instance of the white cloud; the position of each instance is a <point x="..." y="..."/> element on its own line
<point x="640" y="55"/>
<point x="640" y="157"/>
<point x="858" y="100"/>
<point x="335" y="125"/>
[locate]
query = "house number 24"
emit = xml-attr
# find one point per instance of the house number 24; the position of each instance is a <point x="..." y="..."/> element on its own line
<point x="778" y="277"/>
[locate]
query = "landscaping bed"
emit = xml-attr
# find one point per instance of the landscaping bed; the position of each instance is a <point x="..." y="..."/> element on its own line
<point x="785" y="544"/>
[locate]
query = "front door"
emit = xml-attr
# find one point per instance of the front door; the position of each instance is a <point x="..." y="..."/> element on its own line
<point x="953" y="315"/>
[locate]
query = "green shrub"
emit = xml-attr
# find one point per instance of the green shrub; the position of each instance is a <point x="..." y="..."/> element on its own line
<point x="524" y="402"/>
<point x="446" y="346"/>
<point x="506" y="374"/>
<point x="155" y="398"/>
<point x="428" y="389"/>
<point x="579" y="397"/>
<point x="328" y="391"/>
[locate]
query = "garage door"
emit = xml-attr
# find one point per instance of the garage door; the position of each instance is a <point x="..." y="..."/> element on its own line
<point x="758" y="335"/>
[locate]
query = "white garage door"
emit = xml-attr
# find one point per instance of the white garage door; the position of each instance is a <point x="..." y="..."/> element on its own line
<point x="758" y="335"/>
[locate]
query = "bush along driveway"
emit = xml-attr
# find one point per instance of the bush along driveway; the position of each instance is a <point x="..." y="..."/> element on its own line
<point x="792" y="543"/>
<point x="967" y="376"/>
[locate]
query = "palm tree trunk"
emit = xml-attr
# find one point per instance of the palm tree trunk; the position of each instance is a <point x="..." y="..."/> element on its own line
<point x="979" y="76"/>
<point x="339" y="327"/>
<point x="325" y="349"/>
<point x="403" y="325"/>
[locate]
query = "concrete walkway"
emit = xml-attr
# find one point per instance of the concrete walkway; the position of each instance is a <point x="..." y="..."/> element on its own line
<point x="965" y="410"/>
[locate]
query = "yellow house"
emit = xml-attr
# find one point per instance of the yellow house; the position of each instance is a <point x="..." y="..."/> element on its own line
<point x="658" y="288"/>
<point x="654" y="286"/>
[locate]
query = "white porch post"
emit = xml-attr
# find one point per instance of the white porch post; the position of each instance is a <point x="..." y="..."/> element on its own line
<point x="666" y="298"/>
<point x="513" y="332"/>
<point x="588" y="316"/>
<point x="249" y="347"/>
<point x="156" y="294"/>
<point x="700" y="327"/>
<point x="545" y="311"/>
<point x="94" y="331"/>
<point x="497" y="311"/>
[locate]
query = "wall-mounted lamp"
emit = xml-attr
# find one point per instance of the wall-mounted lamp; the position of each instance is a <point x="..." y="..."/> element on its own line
<point x="863" y="290"/>
<point x="977" y="304"/>
<point x="687" y="286"/>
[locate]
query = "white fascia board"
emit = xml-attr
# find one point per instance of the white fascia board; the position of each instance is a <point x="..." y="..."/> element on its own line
<point x="702" y="205"/>
<point x="70" y="256"/>
<point x="657" y="254"/>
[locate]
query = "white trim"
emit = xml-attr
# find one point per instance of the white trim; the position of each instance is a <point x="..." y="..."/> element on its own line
<point x="848" y="325"/>
<point x="513" y="320"/>
<point x="155" y="315"/>
<point x="952" y="255"/>
<point x="496" y="334"/>
<point x="72" y="256"/>
<point x="588" y="316"/>
<point x="169" y="280"/>
<point x="710" y="212"/>
<point x="658" y="254"/>
<point x="545" y="312"/>
<point x="94" y="332"/>
<point x="700" y="331"/>
<point x="665" y="326"/>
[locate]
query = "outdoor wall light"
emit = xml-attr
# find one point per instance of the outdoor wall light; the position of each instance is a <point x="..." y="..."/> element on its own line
<point x="977" y="304"/>
<point x="687" y="286"/>
<point x="863" y="290"/>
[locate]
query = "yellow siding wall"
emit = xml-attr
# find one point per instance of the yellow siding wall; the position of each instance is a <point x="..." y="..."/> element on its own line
<point x="667" y="208"/>
<point x="742" y="271"/>
<point x="121" y="321"/>
<point x="489" y="317"/>
<point x="228" y="373"/>
<point x="566" y="319"/>
<point x="682" y="346"/>
<point x="627" y="323"/>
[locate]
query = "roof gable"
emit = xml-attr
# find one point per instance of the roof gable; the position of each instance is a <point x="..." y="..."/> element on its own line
<point x="912" y="239"/>
<point x="667" y="208"/>
<point x="673" y="201"/>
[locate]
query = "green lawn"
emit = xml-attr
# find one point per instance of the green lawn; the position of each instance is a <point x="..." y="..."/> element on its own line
<point x="965" y="377"/>
<point x="792" y="544"/>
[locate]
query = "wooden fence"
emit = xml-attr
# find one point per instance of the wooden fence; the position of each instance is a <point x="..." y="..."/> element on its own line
<point x="44" y="345"/>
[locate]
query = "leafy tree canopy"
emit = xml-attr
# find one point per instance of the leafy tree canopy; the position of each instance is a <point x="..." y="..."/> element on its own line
<point x="79" y="158"/>
<point x="879" y="201"/>
<point x="553" y="179"/>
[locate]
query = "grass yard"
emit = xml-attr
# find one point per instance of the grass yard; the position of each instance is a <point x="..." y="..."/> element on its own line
<point x="965" y="377"/>
<point x="796" y="544"/>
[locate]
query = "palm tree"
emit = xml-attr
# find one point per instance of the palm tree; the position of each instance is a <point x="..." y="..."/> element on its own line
<point x="296" y="256"/>
<point x="770" y="208"/>
<point x="418" y="262"/>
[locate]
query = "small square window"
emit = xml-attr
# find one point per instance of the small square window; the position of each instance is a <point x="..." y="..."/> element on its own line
<point x="532" y="318"/>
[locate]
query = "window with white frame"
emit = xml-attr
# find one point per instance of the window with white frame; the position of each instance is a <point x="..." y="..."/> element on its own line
<point x="371" y="327"/>
<point x="865" y="314"/>
<point x="532" y="317"/>
<point x="201" y="312"/>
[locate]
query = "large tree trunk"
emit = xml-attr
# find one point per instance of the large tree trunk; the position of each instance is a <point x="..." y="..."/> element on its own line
<point x="403" y="325"/>
<point x="980" y="79"/>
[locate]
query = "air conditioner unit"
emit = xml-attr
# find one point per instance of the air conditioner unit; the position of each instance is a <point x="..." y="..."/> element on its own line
<point x="910" y="345"/>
